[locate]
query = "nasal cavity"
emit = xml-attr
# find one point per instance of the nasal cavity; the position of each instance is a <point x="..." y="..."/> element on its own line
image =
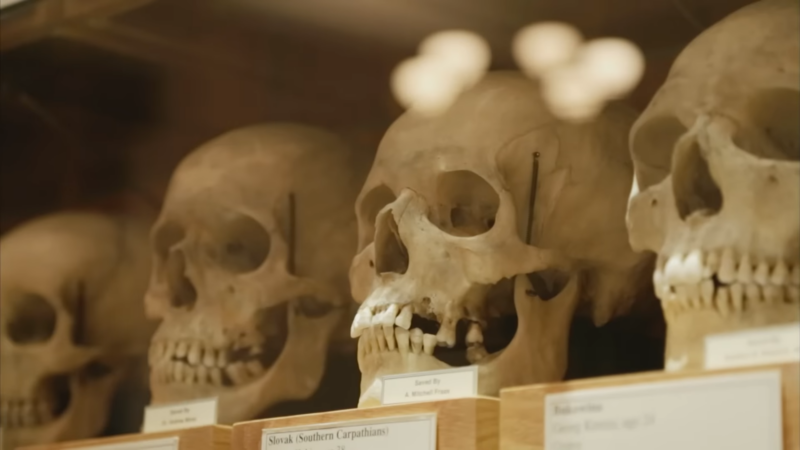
<point x="391" y="254"/>
<point x="696" y="192"/>
<point x="183" y="293"/>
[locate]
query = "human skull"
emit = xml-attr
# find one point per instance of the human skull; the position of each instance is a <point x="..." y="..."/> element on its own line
<point x="249" y="278"/>
<point x="717" y="180"/>
<point x="444" y="274"/>
<point x="73" y="325"/>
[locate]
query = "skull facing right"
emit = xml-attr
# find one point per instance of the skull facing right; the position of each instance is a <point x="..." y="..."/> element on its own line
<point x="717" y="181"/>
<point x="483" y="230"/>
<point x="250" y="268"/>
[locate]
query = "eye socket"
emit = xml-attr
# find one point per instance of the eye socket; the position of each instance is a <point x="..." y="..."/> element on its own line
<point x="241" y="244"/>
<point x="165" y="236"/>
<point x="312" y="307"/>
<point x="368" y="208"/>
<point x="467" y="204"/>
<point x="775" y="114"/>
<point x="32" y="320"/>
<point x="652" y="147"/>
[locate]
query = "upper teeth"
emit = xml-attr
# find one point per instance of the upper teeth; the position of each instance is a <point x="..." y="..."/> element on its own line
<point x="687" y="281"/>
<point x="191" y="363"/>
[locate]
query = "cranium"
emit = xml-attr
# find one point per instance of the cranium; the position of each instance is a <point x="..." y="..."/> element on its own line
<point x="72" y="323"/>
<point x="250" y="268"/>
<point x="445" y="273"/>
<point x="717" y="180"/>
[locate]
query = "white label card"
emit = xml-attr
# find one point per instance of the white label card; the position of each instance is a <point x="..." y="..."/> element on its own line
<point x="177" y="416"/>
<point x="416" y="432"/>
<point x="170" y="443"/>
<point x="760" y="346"/>
<point x="429" y="386"/>
<point x="731" y="412"/>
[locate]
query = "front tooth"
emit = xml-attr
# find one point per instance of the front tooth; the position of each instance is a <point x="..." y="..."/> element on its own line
<point x="181" y="349"/>
<point x="773" y="294"/>
<point x="429" y="343"/>
<point x="388" y="333"/>
<point x="752" y="293"/>
<point x="194" y="354"/>
<point x="737" y="297"/>
<point x="361" y="322"/>
<point x="712" y="264"/>
<point x="727" y="267"/>
<point x="403" y="319"/>
<point x="401" y="335"/>
<point x="762" y="273"/>
<point x="693" y="267"/>
<point x="795" y="276"/>
<point x="387" y="317"/>
<point x="254" y="368"/>
<point x="447" y="334"/>
<point x="723" y="301"/>
<point x="673" y="271"/>
<point x="745" y="273"/>
<point x="416" y="340"/>
<point x="779" y="274"/>
<point x="707" y="293"/>
<point x="236" y="372"/>
<point x="793" y="294"/>
<point x="474" y="334"/>
<point x="215" y="373"/>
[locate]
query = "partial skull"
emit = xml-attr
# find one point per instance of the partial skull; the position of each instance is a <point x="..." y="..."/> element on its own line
<point x="250" y="258"/>
<point x="73" y="325"/>
<point x="482" y="231"/>
<point x="716" y="191"/>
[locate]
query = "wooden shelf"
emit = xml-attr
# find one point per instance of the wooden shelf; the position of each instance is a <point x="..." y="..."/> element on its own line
<point x="215" y="437"/>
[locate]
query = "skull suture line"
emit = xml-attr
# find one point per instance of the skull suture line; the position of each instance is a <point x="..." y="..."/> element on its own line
<point x="717" y="180"/>
<point x="250" y="268"/>
<point x="443" y="218"/>
<point x="73" y="325"/>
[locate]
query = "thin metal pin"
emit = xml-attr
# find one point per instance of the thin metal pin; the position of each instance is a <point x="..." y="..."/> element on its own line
<point x="532" y="198"/>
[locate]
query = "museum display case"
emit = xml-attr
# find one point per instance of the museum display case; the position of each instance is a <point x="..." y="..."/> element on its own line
<point x="438" y="224"/>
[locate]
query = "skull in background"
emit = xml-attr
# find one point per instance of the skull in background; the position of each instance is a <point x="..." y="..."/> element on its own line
<point x="444" y="275"/>
<point x="717" y="180"/>
<point x="251" y="252"/>
<point x="73" y="325"/>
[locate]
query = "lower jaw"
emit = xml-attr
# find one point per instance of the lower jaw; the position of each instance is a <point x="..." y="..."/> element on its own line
<point x="688" y="328"/>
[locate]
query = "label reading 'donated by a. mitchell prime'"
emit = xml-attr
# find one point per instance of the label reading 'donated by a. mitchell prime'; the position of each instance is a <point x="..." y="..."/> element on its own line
<point x="759" y="346"/>
<point x="730" y="412"/>
<point x="416" y="432"/>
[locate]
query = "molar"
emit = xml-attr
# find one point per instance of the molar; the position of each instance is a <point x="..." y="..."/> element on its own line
<point x="792" y="294"/>
<point x="236" y="372"/>
<point x="737" y="297"/>
<point x="194" y="353"/>
<point x="215" y="374"/>
<point x="474" y="334"/>
<point x="723" y="301"/>
<point x="254" y="368"/>
<point x="209" y="358"/>
<point x="773" y="294"/>
<point x="752" y="293"/>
